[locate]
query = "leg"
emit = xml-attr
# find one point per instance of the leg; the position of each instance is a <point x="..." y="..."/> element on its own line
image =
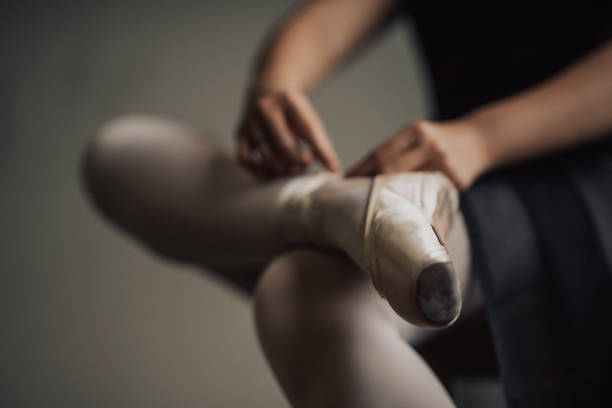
<point x="333" y="342"/>
<point x="187" y="199"/>
<point x="182" y="195"/>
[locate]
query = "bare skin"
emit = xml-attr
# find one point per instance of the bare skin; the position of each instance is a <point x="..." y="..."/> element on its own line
<point x="281" y="133"/>
<point x="355" y="353"/>
<point x="278" y="118"/>
<point x="570" y="108"/>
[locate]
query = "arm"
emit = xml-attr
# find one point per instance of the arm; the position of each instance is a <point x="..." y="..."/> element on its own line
<point x="571" y="108"/>
<point x="312" y="41"/>
<point x="278" y="118"/>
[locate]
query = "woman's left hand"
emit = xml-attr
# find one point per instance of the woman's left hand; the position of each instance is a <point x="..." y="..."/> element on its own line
<point x="456" y="149"/>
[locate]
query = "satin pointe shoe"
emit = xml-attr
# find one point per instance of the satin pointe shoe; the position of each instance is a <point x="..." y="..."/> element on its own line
<point x="408" y="217"/>
<point x="392" y="226"/>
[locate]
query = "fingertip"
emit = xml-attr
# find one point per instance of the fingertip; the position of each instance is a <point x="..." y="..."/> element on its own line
<point x="306" y="158"/>
<point x="337" y="164"/>
<point x="329" y="165"/>
<point x="335" y="167"/>
<point x="331" y="161"/>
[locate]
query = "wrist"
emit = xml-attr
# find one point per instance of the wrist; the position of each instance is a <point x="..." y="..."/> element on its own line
<point x="481" y="130"/>
<point x="268" y="84"/>
<point x="464" y="151"/>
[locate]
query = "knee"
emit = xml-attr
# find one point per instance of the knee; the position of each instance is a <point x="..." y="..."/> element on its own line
<point x="276" y="304"/>
<point x="312" y="293"/>
<point x="102" y="151"/>
<point x="105" y="148"/>
<point x="107" y="152"/>
<point x="286" y="294"/>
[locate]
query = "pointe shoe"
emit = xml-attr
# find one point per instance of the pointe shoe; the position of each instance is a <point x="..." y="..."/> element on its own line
<point x="302" y="207"/>
<point x="391" y="226"/>
<point x="407" y="220"/>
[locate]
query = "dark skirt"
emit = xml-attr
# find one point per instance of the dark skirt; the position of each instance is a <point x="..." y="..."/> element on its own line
<point x="541" y="236"/>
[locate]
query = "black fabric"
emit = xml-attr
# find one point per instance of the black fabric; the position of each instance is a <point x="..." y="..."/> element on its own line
<point x="541" y="237"/>
<point x="541" y="231"/>
<point x="479" y="51"/>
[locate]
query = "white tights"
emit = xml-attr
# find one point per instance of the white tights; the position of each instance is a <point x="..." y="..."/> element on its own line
<point x="329" y="338"/>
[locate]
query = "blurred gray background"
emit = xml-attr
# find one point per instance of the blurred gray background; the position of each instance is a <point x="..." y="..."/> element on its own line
<point x="88" y="318"/>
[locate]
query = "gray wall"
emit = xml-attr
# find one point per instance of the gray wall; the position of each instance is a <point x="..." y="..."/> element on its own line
<point x="89" y="318"/>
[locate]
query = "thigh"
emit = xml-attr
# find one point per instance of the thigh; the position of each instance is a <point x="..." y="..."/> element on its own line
<point x="137" y="147"/>
<point x="158" y="180"/>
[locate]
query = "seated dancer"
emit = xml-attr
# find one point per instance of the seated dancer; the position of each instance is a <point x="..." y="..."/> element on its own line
<point x="346" y="273"/>
<point x="189" y="199"/>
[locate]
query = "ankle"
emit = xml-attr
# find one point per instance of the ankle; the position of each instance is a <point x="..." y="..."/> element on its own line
<point x="301" y="210"/>
<point x="343" y="212"/>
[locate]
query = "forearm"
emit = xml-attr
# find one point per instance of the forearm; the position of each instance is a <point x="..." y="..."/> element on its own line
<point x="314" y="39"/>
<point x="573" y="107"/>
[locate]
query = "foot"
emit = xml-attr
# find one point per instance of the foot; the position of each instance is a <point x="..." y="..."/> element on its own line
<point x="409" y="216"/>
<point x="392" y="226"/>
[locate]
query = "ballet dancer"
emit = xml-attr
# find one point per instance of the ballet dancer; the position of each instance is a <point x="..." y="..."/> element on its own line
<point x="307" y="247"/>
<point x="347" y="273"/>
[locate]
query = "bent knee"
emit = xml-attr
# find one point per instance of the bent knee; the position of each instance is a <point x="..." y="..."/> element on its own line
<point x="104" y="150"/>
<point x="291" y="287"/>
<point x="307" y="290"/>
<point x="115" y="137"/>
<point x="278" y="293"/>
<point x="116" y="147"/>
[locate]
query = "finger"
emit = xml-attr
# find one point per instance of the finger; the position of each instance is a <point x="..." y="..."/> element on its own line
<point x="254" y="161"/>
<point x="364" y="168"/>
<point x="244" y="151"/>
<point x="270" y="162"/>
<point x="310" y="128"/>
<point x="304" y="150"/>
<point x="453" y="176"/>
<point x="242" y="148"/>
<point x="435" y="166"/>
<point x="384" y="153"/>
<point x="278" y="132"/>
<point x="370" y="165"/>
<point x="253" y="157"/>
<point x="411" y="160"/>
<point x="428" y="166"/>
<point x="256" y="164"/>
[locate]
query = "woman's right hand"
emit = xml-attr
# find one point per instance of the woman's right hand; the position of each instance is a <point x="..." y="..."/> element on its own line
<point x="281" y="134"/>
